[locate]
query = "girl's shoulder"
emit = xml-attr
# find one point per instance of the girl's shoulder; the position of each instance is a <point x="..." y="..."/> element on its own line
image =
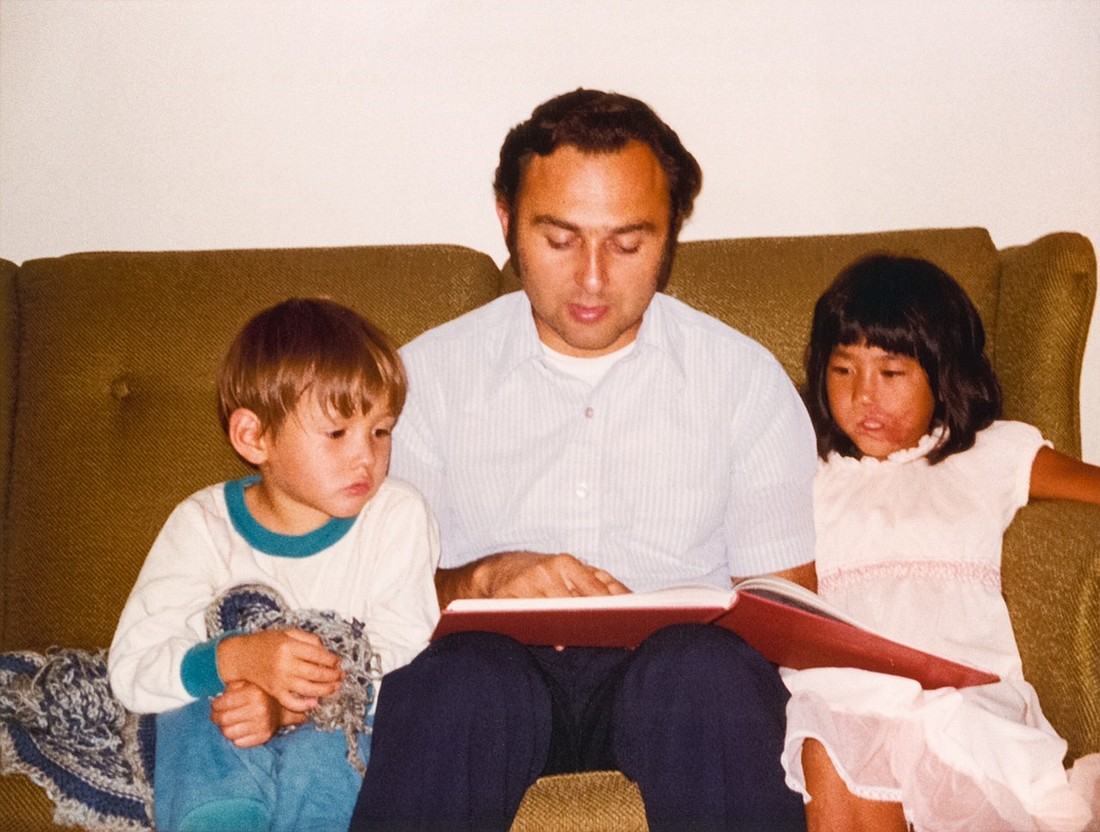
<point x="1006" y="435"/>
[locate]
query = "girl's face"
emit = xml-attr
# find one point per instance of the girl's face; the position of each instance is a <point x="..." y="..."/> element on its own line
<point x="882" y="401"/>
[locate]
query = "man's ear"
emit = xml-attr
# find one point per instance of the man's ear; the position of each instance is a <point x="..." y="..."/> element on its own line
<point x="504" y="215"/>
<point x="248" y="436"/>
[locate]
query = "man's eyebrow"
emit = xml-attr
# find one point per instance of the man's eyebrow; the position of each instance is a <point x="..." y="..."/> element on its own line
<point x="565" y="225"/>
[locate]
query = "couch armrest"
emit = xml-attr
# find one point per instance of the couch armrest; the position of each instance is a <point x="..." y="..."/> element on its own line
<point x="1051" y="576"/>
<point x="1048" y="288"/>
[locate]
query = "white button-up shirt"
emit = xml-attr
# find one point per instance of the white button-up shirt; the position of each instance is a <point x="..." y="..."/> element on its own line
<point x="691" y="460"/>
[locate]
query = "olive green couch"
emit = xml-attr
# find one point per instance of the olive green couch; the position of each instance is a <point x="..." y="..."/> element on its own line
<point x="107" y="421"/>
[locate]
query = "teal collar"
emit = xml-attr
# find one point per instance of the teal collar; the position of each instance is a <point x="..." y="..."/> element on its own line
<point x="273" y="543"/>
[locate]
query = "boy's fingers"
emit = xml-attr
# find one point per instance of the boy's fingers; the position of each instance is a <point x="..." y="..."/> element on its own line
<point x="312" y="650"/>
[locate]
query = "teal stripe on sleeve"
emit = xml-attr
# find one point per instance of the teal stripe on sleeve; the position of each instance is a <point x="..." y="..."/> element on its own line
<point x="199" y="669"/>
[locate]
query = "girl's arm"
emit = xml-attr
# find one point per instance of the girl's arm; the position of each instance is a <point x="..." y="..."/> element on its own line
<point x="1057" y="476"/>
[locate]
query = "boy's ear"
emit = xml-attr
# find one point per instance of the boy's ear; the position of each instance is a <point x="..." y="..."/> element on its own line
<point x="248" y="436"/>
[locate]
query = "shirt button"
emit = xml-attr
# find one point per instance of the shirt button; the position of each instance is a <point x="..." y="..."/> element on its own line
<point x="582" y="490"/>
<point x="589" y="413"/>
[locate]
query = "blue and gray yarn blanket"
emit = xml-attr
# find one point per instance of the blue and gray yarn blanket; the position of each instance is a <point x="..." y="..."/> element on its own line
<point x="61" y="726"/>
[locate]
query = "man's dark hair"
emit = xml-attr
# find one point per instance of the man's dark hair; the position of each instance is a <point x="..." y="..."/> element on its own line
<point x="598" y="122"/>
<point x="911" y="307"/>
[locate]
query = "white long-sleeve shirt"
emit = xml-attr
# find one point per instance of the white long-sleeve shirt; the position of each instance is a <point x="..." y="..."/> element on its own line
<point x="376" y="567"/>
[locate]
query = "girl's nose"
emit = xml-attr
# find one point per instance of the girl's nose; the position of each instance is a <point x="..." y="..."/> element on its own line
<point x="864" y="391"/>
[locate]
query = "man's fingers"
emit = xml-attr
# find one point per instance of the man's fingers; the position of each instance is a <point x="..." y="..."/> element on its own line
<point x="613" y="585"/>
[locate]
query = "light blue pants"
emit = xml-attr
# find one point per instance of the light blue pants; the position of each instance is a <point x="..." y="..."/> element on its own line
<point x="297" y="782"/>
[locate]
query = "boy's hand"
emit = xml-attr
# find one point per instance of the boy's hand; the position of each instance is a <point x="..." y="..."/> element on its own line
<point x="290" y="665"/>
<point x="247" y="716"/>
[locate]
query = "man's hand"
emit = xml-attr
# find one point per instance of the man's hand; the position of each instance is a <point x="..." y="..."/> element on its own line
<point x="247" y="716"/>
<point x="525" y="575"/>
<point x="290" y="665"/>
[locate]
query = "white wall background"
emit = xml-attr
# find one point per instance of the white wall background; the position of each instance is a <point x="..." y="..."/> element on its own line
<point x="159" y="124"/>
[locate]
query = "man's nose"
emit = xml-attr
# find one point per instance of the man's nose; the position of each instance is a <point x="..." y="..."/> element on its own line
<point x="593" y="274"/>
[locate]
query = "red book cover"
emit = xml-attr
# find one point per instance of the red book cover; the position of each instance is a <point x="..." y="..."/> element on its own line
<point x="788" y="624"/>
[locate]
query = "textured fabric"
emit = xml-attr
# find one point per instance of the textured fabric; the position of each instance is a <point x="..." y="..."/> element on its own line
<point x="117" y="354"/>
<point x="1048" y="290"/>
<point x="295" y="782"/>
<point x="117" y="357"/>
<point x="691" y="461"/>
<point x="61" y="726"/>
<point x="379" y="573"/>
<point x="913" y="551"/>
<point x="601" y="800"/>
<point x="515" y="710"/>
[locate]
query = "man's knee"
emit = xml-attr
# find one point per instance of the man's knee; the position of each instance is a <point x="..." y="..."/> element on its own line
<point x="700" y="663"/>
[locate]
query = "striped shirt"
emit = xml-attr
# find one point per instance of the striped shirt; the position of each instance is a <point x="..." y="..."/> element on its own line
<point x="691" y="460"/>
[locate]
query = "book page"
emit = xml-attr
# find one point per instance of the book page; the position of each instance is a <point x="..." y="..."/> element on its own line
<point x="793" y="595"/>
<point x="686" y="595"/>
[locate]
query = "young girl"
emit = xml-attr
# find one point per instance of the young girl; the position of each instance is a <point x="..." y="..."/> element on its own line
<point x="920" y="480"/>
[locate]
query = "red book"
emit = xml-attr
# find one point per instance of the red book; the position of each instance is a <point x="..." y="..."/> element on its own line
<point x="787" y="623"/>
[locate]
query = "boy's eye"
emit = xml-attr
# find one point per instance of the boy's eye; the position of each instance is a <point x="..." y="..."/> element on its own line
<point x="336" y="434"/>
<point x="382" y="433"/>
<point x="559" y="242"/>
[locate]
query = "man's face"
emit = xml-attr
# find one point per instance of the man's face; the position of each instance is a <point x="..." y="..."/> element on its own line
<point x="591" y="234"/>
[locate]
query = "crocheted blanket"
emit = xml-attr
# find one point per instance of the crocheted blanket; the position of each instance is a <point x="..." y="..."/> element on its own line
<point x="61" y="726"/>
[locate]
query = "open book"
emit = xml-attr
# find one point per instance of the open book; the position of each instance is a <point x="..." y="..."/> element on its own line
<point x="785" y="622"/>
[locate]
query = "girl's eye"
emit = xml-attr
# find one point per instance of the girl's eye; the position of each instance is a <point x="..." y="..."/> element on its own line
<point x="838" y="370"/>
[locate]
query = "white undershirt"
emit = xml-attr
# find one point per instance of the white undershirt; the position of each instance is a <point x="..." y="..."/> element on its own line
<point x="590" y="370"/>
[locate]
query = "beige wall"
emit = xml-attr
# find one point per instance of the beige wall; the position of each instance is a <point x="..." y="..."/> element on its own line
<point x="150" y="124"/>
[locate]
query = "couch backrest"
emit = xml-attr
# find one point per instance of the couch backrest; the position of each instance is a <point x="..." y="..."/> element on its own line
<point x="115" y="421"/>
<point x="778" y="279"/>
<point x="8" y="324"/>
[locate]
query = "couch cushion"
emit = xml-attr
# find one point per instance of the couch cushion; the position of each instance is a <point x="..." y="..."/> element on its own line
<point x="115" y="418"/>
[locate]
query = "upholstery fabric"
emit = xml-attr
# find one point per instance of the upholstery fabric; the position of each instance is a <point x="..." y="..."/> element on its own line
<point x="107" y="420"/>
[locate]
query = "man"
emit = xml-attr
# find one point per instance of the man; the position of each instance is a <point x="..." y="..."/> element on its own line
<point x="586" y="436"/>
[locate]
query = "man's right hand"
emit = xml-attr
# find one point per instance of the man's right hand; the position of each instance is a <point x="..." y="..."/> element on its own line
<point x="524" y="575"/>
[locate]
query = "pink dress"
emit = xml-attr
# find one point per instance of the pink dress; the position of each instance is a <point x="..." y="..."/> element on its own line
<point x="913" y="551"/>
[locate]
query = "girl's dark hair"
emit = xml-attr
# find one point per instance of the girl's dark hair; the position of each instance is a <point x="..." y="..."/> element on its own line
<point x="911" y="307"/>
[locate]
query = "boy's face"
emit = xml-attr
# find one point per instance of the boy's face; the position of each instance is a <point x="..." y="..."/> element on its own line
<point x="320" y="466"/>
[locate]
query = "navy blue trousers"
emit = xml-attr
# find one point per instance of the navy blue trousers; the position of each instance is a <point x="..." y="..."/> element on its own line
<point x="694" y="716"/>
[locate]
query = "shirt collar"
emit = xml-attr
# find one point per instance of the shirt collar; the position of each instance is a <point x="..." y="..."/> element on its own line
<point x="520" y="342"/>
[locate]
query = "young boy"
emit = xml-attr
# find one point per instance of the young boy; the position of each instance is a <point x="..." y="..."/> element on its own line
<point x="308" y="396"/>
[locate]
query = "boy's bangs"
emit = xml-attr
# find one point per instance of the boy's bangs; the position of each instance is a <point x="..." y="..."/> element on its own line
<point x="348" y="395"/>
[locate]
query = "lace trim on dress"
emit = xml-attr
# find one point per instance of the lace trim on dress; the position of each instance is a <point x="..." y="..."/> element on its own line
<point x="977" y="572"/>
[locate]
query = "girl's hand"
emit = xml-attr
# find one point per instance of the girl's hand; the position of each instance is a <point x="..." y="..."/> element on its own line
<point x="289" y="665"/>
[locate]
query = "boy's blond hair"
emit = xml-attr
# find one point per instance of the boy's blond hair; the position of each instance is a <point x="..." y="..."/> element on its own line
<point x="309" y="345"/>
